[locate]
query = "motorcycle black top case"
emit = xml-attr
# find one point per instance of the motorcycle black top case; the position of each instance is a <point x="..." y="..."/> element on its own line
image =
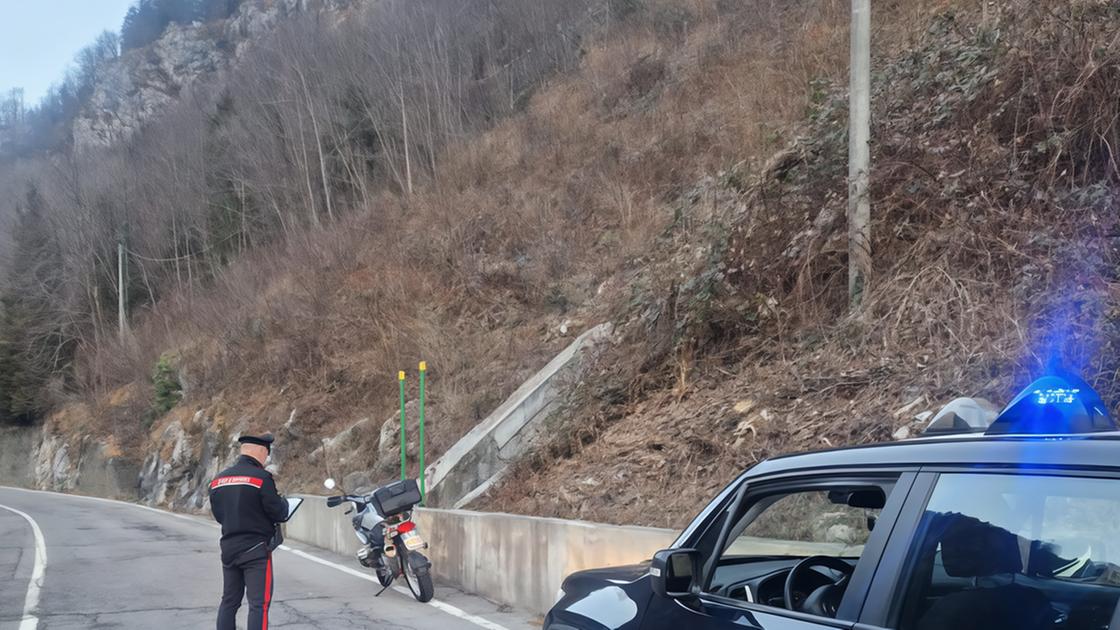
<point x="396" y="497"/>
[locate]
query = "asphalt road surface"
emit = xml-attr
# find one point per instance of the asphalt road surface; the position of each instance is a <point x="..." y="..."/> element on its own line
<point x="110" y="565"/>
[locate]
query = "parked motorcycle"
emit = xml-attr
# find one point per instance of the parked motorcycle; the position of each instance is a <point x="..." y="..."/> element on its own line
<point x="391" y="543"/>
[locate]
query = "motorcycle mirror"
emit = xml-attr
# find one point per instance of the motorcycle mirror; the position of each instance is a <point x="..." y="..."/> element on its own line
<point x="329" y="484"/>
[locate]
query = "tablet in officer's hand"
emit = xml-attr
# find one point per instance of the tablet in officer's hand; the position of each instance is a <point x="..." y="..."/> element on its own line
<point x="293" y="505"/>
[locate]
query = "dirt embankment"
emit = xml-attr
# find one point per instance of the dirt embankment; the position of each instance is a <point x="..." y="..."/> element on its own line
<point x="534" y="231"/>
<point x="995" y="184"/>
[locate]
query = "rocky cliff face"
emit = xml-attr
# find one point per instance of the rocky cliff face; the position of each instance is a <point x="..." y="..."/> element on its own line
<point x="136" y="88"/>
<point x="141" y="84"/>
<point x="35" y="457"/>
<point x="186" y="452"/>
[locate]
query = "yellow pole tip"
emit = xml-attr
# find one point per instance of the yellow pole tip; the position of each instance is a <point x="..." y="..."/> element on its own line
<point x="423" y="366"/>
<point x="400" y="375"/>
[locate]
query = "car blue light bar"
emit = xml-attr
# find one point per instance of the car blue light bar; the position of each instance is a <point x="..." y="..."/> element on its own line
<point x="1056" y="396"/>
<point x="1058" y="404"/>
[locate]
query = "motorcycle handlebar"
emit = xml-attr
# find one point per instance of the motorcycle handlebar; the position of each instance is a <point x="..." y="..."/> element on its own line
<point x="339" y="500"/>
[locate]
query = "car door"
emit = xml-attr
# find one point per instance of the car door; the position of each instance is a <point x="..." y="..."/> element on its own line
<point x="771" y="524"/>
<point x="1000" y="549"/>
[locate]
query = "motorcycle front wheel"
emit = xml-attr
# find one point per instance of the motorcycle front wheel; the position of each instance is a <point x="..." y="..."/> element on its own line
<point x="385" y="573"/>
<point x="419" y="582"/>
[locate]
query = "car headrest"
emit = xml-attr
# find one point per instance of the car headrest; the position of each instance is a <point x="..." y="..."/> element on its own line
<point x="973" y="548"/>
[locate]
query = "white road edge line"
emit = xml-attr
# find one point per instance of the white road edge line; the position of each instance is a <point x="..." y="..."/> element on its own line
<point x="31" y="602"/>
<point x="442" y="606"/>
<point x="447" y="608"/>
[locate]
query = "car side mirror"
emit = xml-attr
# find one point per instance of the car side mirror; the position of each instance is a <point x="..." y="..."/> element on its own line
<point x="675" y="572"/>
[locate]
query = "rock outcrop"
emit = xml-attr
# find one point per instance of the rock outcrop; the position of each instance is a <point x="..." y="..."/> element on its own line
<point x="182" y="462"/>
<point x="143" y="83"/>
<point x="183" y="458"/>
<point x="37" y="457"/>
<point x="53" y="469"/>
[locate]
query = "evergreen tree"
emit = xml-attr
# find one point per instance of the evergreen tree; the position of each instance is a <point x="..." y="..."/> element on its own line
<point x="30" y="344"/>
<point x="146" y="21"/>
<point x="216" y="9"/>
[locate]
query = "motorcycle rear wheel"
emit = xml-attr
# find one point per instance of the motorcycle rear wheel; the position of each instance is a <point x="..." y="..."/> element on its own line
<point x="420" y="583"/>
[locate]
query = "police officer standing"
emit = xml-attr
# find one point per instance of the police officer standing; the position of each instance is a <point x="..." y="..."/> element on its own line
<point x="243" y="498"/>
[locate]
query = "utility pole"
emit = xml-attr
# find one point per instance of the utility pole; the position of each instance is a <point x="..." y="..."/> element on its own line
<point x="859" y="156"/>
<point x="121" y="321"/>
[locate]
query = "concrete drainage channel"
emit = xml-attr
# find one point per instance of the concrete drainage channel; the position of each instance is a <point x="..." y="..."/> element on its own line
<point x="515" y="560"/>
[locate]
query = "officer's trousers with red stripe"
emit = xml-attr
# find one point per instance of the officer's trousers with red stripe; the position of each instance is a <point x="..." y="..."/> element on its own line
<point x="248" y="576"/>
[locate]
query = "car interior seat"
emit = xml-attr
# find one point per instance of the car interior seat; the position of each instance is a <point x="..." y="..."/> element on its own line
<point x="974" y="549"/>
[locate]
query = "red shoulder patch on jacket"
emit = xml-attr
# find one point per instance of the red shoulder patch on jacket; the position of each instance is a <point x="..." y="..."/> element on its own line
<point x="242" y="480"/>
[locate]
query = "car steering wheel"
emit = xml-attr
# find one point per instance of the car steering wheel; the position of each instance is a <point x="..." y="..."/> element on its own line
<point x="823" y="601"/>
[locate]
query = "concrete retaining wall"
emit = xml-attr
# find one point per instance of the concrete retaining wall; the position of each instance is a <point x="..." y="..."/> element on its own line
<point x="318" y="525"/>
<point x="16" y="445"/>
<point x="32" y="457"/>
<point x="515" y="560"/>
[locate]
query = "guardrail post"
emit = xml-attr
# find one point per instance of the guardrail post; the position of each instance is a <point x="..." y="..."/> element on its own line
<point x="400" y="377"/>
<point x="423" y="378"/>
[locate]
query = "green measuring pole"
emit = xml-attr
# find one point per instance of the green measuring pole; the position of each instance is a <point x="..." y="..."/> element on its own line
<point x="423" y="377"/>
<point x="400" y="377"/>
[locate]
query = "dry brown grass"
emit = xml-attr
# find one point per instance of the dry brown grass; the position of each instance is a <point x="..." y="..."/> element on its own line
<point x="562" y="212"/>
<point x="994" y="184"/>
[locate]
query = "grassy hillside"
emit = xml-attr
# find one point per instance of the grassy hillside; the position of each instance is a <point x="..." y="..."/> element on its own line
<point x="681" y="174"/>
<point x="994" y="240"/>
<point x="542" y="220"/>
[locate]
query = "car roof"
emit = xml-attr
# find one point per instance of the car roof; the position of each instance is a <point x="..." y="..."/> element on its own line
<point x="1084" y="451"/>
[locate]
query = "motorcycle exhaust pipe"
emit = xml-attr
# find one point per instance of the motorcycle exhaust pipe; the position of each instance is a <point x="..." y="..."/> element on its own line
<point x="364" y="557"/>
<point x="390" y="550"/>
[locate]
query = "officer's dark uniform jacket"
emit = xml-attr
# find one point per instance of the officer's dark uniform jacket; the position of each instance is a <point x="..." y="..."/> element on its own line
<point x="243" y="498"/>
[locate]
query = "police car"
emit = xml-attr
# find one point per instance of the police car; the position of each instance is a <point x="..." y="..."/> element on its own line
<point x="1010" y="522"/>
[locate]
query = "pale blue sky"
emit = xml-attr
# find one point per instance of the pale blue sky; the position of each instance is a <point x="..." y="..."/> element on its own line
<point x="39" y="38"/>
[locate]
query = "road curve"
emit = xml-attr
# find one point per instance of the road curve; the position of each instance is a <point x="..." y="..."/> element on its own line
<point x="112" y="565"/>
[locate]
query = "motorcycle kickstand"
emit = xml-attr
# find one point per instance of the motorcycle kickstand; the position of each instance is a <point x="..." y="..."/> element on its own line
<point x="386" y="587"/>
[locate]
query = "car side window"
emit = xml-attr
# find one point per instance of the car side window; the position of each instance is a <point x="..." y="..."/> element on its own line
<point x="809" y="523"/>
<point x="1015" y="552"/>
<point x="776" y="529"/>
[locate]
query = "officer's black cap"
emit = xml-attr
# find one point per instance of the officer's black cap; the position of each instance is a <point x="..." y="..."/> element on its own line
<point x="265" y="440"/>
